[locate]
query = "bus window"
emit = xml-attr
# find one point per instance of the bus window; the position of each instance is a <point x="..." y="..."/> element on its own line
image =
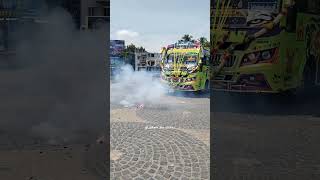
<point x="169" y="59"/>
<point x="190" y="58"/>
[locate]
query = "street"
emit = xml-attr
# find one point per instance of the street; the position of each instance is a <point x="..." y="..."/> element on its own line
<point x="164" y="140"/>
<point x="266" y="137"/>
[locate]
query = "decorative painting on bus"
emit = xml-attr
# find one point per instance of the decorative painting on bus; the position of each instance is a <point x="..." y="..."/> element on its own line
<point x="246" y="13"/>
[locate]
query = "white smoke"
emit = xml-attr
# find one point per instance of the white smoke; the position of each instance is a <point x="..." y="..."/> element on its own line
<point x="59" y="79"/>
<point x="136" y="87"/>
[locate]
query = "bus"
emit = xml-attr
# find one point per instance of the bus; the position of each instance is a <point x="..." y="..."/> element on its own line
<point x="265" y="46"/>
<point x="185" y="66"/>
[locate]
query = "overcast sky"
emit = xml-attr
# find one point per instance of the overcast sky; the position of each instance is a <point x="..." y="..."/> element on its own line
<point x="157" y="23"/>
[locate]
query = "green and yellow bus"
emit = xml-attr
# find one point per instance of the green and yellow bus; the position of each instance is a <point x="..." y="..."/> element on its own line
<point x="267" y="46"/>
<point x="185" y="66"/>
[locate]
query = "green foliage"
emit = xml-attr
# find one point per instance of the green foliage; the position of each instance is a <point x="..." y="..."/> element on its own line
<point x="131" y="49"/>
<point x="204" y="42"/>
<point x="187" y="38"/>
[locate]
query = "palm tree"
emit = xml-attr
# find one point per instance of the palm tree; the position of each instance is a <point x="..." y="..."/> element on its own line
<point x="186" y="38"/>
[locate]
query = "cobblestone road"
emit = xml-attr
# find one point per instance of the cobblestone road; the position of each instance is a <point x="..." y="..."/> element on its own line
<point x="167" y="140"/>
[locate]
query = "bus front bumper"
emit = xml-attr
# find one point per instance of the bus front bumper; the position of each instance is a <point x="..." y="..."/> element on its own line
<point x="240" y="88"/>
<point x="181" y="86"/>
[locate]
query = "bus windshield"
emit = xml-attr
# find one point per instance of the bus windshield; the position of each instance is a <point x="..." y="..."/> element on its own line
<point x="185" y="58"/>
<point x="169" y="59"/>
<point x="190" y="59"/>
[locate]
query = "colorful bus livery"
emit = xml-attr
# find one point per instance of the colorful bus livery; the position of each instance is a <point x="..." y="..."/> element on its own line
<point x="312" y="43"/>
<point x="185" y="66"/>
<point x="276" y="50"/>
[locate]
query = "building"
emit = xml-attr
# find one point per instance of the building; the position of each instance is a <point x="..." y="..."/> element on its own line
<point x="87" y="14"/>
<point x="11" y="14"/>
<point x="94" y="14"/>
<point x="16" y="15"/>
<point x="10" y="11"/>
<point x="147" y="61"/>
<point x="116" y="56"/>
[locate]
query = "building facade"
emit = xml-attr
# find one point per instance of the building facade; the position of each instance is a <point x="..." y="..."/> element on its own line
<point x="10" y="11"/>
<point x="13" y="13"/>
<point x="94" y="14"/>
<point x="147" y="61"/>
<point x="87" y="14"/>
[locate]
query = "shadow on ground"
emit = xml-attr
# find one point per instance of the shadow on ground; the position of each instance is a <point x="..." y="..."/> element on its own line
<point x="189" y="94"/>
<point x="265" y="136"/>
<point x="267" y="104"/>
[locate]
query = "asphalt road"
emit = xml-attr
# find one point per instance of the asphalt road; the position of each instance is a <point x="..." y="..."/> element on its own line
<point x="266" y="137"/>
<point x="164" y="140"/>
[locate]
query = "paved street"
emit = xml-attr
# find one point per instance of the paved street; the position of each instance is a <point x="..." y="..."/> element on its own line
<point x="164" y="140"/>
<point x="266" y="137"/>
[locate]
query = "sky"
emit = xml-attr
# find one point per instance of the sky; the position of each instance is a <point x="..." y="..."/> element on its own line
<point x="156" y="23"/>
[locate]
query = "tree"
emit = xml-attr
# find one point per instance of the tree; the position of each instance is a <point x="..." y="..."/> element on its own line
<point x="129" y="51"/>
<point x="141" y="49"/>
<point x="131" y="48"/>
<point x="204" y="42"/>
<point x="187" y="38"/>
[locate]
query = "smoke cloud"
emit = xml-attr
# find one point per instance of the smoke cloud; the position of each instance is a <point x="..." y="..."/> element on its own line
<point x="58" y="87"/>
<point x="136" y="87"/>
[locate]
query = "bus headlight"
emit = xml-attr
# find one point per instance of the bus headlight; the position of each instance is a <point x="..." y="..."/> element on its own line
<point x="190" y="67"/>
<point x="191" y="79"/>
<point x="265" y="55"/>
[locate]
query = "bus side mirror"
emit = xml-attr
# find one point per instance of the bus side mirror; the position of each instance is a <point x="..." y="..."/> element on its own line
<point x="292" y="19"/>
